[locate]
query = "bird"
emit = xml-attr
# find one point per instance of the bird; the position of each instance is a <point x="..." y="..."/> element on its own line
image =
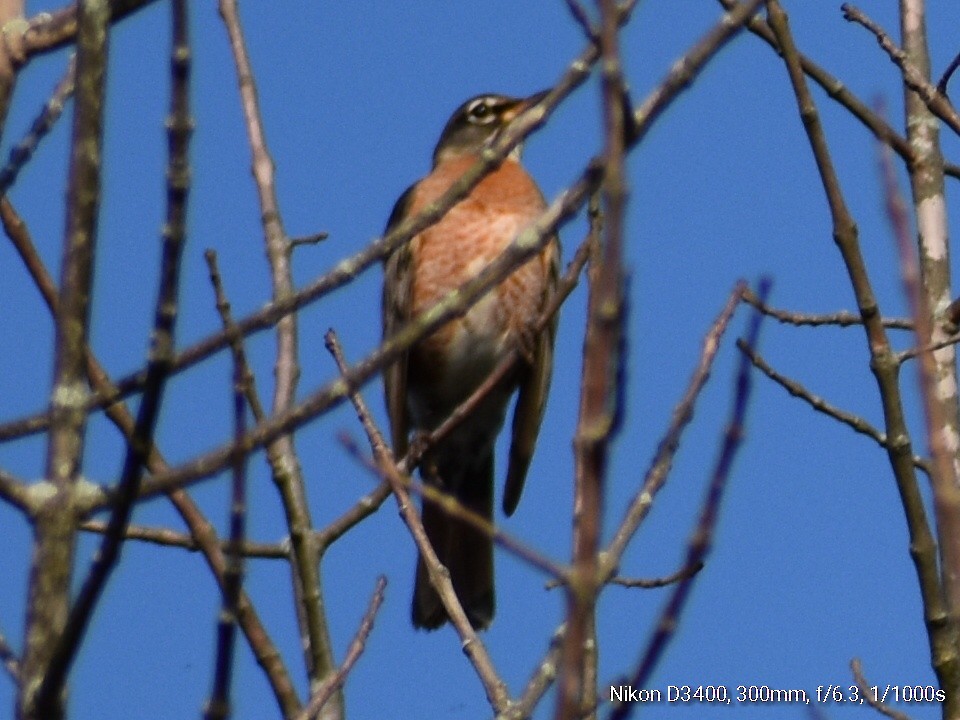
<point x="443" y="369"/>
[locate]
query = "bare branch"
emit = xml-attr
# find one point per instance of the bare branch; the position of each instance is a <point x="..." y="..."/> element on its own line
<point x="473" y="647"/>
<point x="854" y="422"/>
<point x="913" y="352"/>
<point x="15" y="491"/>
<point x="839" y="92"/>
<point x="174" y="539"/>
<point x="684" y="573"/>
<point x="364" y="507"/>
<point x="218" y="707"/>
<point x="314" y="239"/>
<point x="540" y="681"/>
<point x="284" y="463"/>
<point x="42" y="692"/>
<point x="946" y="492"/>
<point x="667" y="448"/>
<point x="201" y="531"/>
<point x="645" y="583"/>
<point x="942" y="634"/>
<point x="686" y="69"/>
<point x="46" y="32"/>
<point x="335" y="682"/>
<point x="161" y="347"/>
<point x="451" y="506"/>
<point x="913" y="77"/>
<point x="702" y="540"/>
<point x="247" y="381"/>
<point x="947" y="74"/>
<point x="842" y="318"/>
<point x="601" y="391"/>
<point x="52" y="110"/>
<point x="866" y="692"/>
<point x="580" y="14"/>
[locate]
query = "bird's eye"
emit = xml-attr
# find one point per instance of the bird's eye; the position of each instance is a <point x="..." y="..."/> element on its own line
<point x="480" y="112"/>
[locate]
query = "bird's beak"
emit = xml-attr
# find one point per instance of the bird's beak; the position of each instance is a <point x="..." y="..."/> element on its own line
<point x="524" y="104"/>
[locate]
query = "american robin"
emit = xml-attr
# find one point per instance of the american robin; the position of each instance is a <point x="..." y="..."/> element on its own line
<point x="443" y="369"/>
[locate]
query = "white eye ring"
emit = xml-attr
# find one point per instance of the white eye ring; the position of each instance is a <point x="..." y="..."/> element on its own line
<point x="481" y="112"/>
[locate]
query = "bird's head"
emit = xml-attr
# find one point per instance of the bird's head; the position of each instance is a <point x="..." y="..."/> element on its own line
<point x="478" y="122"/>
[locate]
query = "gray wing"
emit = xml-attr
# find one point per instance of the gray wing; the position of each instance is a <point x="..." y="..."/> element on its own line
<point x="534" y="388"/>
<point x="398" y="279"/>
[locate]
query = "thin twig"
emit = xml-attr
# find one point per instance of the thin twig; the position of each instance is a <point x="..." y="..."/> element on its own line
<point x="335" y="682"/>
<point x="52" y="110"/>
<point x="646" y="583"/>
<point x="171" y="538"/>
<point x="313" y="239"/>
<point x="218" y="707"/>
<point x="362" y="509"/>
<point x="841" y="319"/>
<point x="662" y="461"/>
<point x="702" y="540"/>
<point x="473" y="647"/>
<point x="913" y="352"/>
<point x="281" y="454"/>
<point x="16" y="491"/>
<point x="685" y="70"/>
<point x="540" y="681"/>
<point x="938" y="103"/>
<point x="580" y="14"/>
<point x="947" y="74"/>
<point x="840" y="93"/>
<point x="684" y="573"/>
<point x="854" y="422"/>
<point x="868" y="695"/>
<point x="248" y="382"/>
<point x="451" y="506"/>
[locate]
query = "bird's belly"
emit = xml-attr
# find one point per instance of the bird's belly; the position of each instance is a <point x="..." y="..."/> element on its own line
<point x="450" y="364"/>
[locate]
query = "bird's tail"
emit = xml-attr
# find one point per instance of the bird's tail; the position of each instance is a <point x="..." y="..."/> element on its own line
<point x="465" y="551"/>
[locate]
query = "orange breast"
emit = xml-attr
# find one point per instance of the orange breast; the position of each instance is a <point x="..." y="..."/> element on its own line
<point x="448" y="254"/>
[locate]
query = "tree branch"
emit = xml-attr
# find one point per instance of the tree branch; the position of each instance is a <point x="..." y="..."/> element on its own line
<point x="702" y="540"/>
<point x="41" y="695"/>
<point x="941" y="631"/>
<point x="854" y="422"/>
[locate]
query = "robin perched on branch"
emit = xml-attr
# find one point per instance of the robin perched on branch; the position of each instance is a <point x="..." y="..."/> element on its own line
<point x="441" y="371"/>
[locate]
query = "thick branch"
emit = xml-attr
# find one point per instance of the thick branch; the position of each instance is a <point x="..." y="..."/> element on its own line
<point x="884" y="365"/>
<point x="55" y="521"/>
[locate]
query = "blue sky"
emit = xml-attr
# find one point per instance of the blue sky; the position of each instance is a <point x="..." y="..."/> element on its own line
<point x="810" y="565"/>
